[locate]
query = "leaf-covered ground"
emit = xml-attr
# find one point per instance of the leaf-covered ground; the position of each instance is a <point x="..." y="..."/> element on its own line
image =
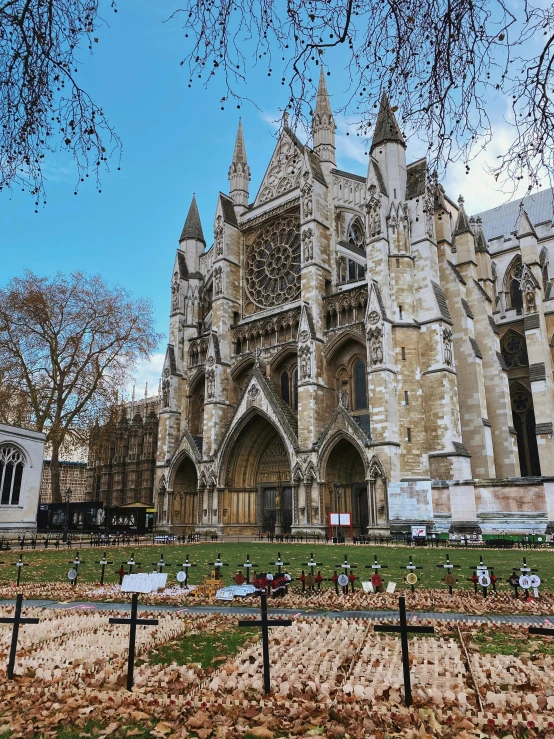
<point x="334" y="679"/>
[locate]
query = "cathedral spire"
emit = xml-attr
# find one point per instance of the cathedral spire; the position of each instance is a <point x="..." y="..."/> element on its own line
<point x="193" y="228"/>
<point x="524" y="225"/>
<point x="386" y="126"/>
<point x="462" y="224"/>
<point x="239" y="171"/>
<point x="323" y="123"/>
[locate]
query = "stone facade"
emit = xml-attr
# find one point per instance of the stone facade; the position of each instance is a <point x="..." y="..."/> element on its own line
<point x="122" y="456"/>
<point x="343" y="333"/>
<point x="21" y="455"/>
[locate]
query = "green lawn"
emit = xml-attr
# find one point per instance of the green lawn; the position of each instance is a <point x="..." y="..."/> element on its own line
<point x="205" y="649"/>
<point x="51" y="565"/>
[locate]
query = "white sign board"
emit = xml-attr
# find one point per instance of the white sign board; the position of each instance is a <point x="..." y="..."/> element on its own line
<point x="340" y="519"/>
<point x="225" y="594"/>
<point x="410" y="501"/>
<point x="367" y="586"/>
<point x="143" y="582"/>
<point x="419" y="531"/>
<point x="391" y="587"/>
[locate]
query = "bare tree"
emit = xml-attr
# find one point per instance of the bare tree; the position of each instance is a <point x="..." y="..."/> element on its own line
<point x="442" y="63"/>
<point x="69" y="344"/>
<point x="43" y="107"/>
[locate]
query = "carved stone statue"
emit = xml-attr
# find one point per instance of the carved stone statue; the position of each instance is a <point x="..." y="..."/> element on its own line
<point x="218" y="237"/>
<point x="447" y="344"/>
<point x="304" y="356"/>
<point x="210" y="383"/>
<point x="375" y="339"/>
<point x="175" y="286"/>
<point x="166" y="385"/>
<point x="308" y="244"/>
<point x="218" y="280"/>
<point x="307" y="189"/>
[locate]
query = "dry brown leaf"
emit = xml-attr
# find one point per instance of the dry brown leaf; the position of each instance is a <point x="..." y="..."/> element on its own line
<point x="162" y="729"/>
<point x="111" y="728"/>
<point x="134" y="732"/>
<point x="261" y="732"/>
<point x="139" y="716"/>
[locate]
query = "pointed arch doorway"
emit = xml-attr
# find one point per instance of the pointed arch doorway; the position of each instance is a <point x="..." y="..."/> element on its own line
<point x="184" y="506"/>
<point x="347" y="490"/>
<point x="259" y="494"/>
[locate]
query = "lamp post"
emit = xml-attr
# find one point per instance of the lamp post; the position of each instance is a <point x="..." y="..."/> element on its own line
<point x="67" y="497"/>
<point x="338" y="493"/>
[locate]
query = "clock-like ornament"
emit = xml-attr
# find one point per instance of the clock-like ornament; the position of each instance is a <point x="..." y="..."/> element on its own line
<point x="272" y="265"/>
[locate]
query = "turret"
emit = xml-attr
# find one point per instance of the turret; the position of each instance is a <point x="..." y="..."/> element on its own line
<point x="323" y="124"/>
<point x="192" y="241"/>
<point x="464" y="237"/>
<point x="388" y="148"/>
<point x="239" y="173"/>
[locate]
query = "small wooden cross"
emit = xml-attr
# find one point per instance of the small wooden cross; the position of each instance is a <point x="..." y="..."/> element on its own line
<point x="279" y="563"/>
<point x="403" y="629"/>
<point x="186" y="564"/>
<point x="131" y="562"/>
<point x="248" y="566"/>
<point x="76" y="562"/>
<point x="482" y="570"/>
<point x="133" y="622"/>
<point x="265" y="623"/>
<point x="20" y="564"/>
<point x="218" y="564"/>
<point x="525" y="570"/>
<point x="312" y="564"/>
<point x="103" y="562"/>
<point x="449" y="567"/>
<point x="161" y="564"/>
<point x="16" y="620"/>
<point x="411" y="567"/>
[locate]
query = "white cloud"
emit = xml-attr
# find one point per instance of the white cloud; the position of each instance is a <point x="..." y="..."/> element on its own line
<point x="149" y="371"/>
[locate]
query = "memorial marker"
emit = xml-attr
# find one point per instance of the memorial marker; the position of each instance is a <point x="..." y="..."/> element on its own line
<point x="265" y="623"/>
<point x="248" y="566"/>
<point x="218" y="564"/>
<point x="279" y="563"/>
<point x="103" y="562"/>
<point x="133" y="622"/>
<point x="527" y="578"/>
<point x="449" y="578"/>
<point x="73" y="573"/>
<point x="403" y="629"/>
<point x="161" y="564"/>
<point x="185" y="571"/>
<point x="131" y="562"/>
<point x="312" y="564"/>
<point x="16" y="621"/>
<point x="376" y="578"/>
<point x="484" y="577"/>
<point x="20" y="564"/>
<point x="411" y="577"/>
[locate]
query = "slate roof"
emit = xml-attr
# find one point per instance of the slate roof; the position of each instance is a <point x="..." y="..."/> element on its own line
<point x="183" y="269"/>
<point x="441" y="302"/>
<point x="416" y="174"/>
<point x="503" y="221"/>
<point x="193" y="228"/>
<point x="315" y="164"/>
<point x="229" y="215"/>
<point x="386" y="126"/>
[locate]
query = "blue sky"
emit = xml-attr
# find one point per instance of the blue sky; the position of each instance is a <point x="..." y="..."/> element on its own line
<point x="176" y="142"/>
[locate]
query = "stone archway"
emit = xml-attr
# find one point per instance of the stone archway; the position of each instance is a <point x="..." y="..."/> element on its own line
<point x="184" y="507"/>
<point x="346" y="489"/>
<point x="258" y="489"/>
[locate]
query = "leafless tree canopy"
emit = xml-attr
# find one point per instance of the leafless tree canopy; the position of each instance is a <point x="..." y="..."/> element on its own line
<point x="43" y="108"/>
<point x="67" y="347"/>
<point x="441" y="62"/>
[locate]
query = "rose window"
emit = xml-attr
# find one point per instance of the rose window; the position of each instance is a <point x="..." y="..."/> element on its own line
<point x="273" y="263"/>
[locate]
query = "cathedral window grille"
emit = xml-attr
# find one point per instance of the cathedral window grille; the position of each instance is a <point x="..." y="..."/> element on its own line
<point x="409" y="435"/>
<point x="273" y="263"/>
<point x="12" y="463"/>
<point x="403" y="353"/>
<point x="356" y="235"/>
<point x="360" y="385"/>
<point x="295" y="389"/>
<point x="285" y="391"/>
<point x="514" y="351"/>
<point x="406" y="398"/>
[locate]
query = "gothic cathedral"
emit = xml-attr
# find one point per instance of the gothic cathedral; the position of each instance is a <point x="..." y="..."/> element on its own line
<point x="337" y="349"/>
